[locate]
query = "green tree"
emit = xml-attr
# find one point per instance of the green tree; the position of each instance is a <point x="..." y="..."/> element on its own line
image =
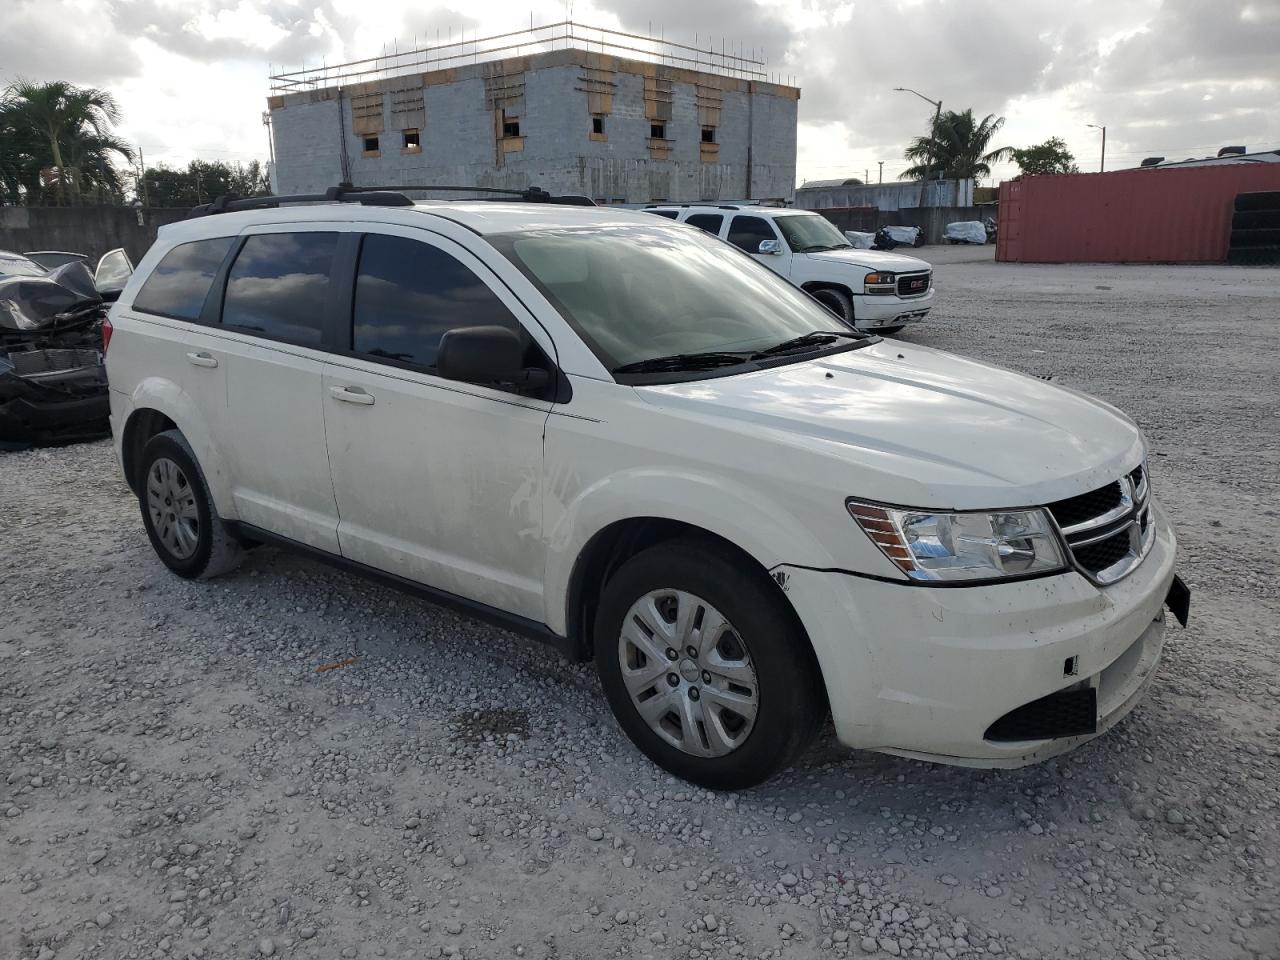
<point x="1052" y="156"/>
<point x="957" y="145"/>
<point x="201" y="182"/>
<point x="63" y="137"/>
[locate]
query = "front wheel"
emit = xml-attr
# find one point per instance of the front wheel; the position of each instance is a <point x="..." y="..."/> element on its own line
<point x="705" y="666"/>
<point x="837" y="301"/>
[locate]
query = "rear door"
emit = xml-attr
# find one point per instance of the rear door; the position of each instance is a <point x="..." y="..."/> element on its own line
<point x="168" y="336"/>
<point x="278" y="294"/>
<point x="437" y="481"/>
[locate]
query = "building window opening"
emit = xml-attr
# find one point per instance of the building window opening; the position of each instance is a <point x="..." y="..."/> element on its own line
<point x="370" y="144"/>
<point x="658" y="131"/>
<point x="411" y="141"/>
<point x="510" y="126"/>
<point x="597" y="124"/>
<point x="708" y="134"/>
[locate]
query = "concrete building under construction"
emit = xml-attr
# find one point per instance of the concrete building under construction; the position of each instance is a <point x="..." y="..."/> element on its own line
<point x="619" y="118"/>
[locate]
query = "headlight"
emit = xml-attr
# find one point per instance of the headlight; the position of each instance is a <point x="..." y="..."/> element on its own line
<point x="944" y="547"/>
<point x="879" y="284"/>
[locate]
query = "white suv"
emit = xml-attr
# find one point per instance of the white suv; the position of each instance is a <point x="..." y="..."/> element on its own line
<point x="623" y="437"/>
<point x="869" y="289"/>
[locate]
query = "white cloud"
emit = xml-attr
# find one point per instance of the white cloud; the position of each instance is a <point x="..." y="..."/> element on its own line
<point x="1171" y="77"/>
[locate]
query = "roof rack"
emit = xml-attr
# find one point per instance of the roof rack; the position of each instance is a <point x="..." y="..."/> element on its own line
<point x="379" y="197"/>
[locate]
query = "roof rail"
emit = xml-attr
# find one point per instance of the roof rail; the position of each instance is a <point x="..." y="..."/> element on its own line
<point x="376" y="197"/>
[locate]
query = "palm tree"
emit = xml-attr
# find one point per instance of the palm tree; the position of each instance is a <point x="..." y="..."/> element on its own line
<point x="64" y="124"/>
<point x="956" y="148"/>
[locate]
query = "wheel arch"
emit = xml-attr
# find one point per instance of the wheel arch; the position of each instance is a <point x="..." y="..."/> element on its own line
<point x="158" y="405"/>
<point x="142" y="425"/>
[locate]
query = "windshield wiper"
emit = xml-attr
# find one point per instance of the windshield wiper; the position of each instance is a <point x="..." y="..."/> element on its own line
<point x="817" y="338"/>
<point x="683" y="361"/>
<point x="819" y="247"/>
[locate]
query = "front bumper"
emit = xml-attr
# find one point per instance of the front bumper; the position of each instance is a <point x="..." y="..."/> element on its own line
<point x="926" y="671"/>
<point x="871" y="313"/>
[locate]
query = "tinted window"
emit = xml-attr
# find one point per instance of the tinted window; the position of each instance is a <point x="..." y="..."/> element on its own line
<point x="747" y="232"/>
<point x="181" y="280"/>
<point x="408" y="293"/>
<point x="669" y="214"/>
<point x="710" y="222"/>
<point x="279" y="285"/>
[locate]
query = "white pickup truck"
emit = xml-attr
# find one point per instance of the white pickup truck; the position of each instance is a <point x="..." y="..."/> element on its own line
<point x="870" y="289"/>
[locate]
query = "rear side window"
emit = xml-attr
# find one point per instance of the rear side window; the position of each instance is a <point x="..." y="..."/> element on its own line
<point x="181" y="280"/>
<point x="747" y="232"/>
<point x="669" y="214"/>
<point x="409" y="293"/>
<point x="710" y="222"/>
<point x="279" y="285"/>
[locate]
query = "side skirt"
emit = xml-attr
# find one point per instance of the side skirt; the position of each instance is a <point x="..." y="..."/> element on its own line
<point x="471" y="608"/>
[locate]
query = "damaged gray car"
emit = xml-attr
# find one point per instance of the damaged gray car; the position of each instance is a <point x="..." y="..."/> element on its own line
<point x="53" y="385"/>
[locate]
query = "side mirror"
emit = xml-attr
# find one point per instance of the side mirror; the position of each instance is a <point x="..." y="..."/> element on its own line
<point x="770" y="246"/>
<point x="487" y="355"/>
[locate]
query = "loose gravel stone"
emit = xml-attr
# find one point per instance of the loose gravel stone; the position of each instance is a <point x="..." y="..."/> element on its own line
<point x="176" y="762"/>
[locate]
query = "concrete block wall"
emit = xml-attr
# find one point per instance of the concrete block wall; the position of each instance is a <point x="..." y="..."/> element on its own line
<point x="459" y="147"/>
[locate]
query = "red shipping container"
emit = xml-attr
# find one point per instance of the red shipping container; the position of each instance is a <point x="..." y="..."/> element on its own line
<point x="1146" y="215"/>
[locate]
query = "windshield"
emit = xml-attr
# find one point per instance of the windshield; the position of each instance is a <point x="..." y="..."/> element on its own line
<point x="809" y="231"/>
<point x="635" y="293"/>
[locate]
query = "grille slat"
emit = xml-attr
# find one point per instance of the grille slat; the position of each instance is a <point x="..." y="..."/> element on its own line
<point x="1107" y="529"/>
<point x="1086" y="506"/>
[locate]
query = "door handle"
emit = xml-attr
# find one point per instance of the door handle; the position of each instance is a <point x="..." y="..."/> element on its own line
<point x="202" y="359"/>
<point x="352" y="395"/>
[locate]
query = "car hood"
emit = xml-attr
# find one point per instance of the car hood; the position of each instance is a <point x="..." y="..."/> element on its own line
<point x="871" y="259"/>
<point x="920" y="427"/>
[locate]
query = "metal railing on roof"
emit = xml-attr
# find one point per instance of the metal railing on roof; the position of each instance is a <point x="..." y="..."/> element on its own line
<point x="747" y="64"/>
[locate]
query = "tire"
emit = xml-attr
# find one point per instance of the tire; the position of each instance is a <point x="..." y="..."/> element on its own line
<point x="193" y="542"/>
<point x="837" y="301"/>
<point x="769" y="670"/>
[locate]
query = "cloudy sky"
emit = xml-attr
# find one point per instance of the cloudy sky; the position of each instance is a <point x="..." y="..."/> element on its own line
<point x="1176" y="78"/>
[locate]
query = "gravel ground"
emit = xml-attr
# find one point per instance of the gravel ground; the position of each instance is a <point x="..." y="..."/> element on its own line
<point x="183" y="778"/>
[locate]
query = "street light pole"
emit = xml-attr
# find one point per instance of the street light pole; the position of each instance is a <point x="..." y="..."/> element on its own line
<point x="937" y="115"/>
<point x="1102" y="164"/>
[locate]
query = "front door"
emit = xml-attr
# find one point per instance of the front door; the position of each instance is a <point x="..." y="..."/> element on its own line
<point x="747" y="230"/>
<point x="437" y="481"/>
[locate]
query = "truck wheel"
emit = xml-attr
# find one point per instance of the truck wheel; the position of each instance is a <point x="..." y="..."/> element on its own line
<point x="837" y="301"/>
<point x="705" y="665"/>
<point x="177" y="511"/>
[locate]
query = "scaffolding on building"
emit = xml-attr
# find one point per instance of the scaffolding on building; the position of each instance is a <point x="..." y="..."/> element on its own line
<point x="447" y="53"/>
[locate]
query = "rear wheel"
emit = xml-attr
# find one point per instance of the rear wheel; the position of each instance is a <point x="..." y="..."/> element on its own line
<point x="837" y="301"/>
<point x="177" y="511"/>
<point x="705" y="665"/>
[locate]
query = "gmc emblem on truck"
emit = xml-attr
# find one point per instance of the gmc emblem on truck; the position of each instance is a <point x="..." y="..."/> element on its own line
<point x="919" y="284"/>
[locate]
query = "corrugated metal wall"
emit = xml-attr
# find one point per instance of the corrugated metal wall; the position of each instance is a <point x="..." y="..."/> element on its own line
<point x="1130" y="216"/>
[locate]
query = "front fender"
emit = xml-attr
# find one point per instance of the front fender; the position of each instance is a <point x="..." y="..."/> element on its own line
<point x="165" y="396"/>
<point x="761" y="527"/>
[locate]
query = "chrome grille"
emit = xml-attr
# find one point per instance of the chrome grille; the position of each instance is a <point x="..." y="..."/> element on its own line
<point x="1108" y="530"/>
<point x="914" y="284"/>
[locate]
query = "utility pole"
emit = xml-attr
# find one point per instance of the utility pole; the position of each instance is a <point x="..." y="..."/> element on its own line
<point x="881" y="162"/>
<point x="937" y="115"/>
<point x="1102" y="163"/>
<point x="142" y="165"/>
